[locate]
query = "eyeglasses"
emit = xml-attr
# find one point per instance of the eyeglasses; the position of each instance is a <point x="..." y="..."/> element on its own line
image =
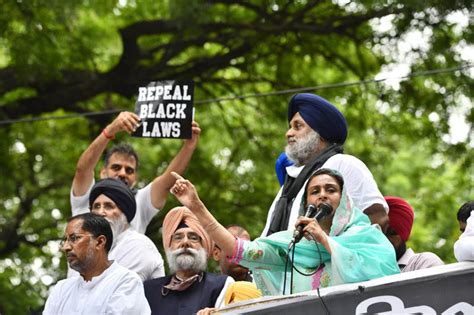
<point x="72" y="239"/>
<point x="106" y="205"/>
<point x="192" y="237"/>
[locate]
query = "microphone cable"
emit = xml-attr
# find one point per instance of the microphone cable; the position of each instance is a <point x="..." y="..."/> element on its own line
<point x="286" y="269"/>
<point x="291" y="248"/>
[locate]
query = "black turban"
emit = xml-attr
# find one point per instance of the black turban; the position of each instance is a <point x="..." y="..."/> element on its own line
<point x="119" y="192"/>
<point x="322" y="116"/>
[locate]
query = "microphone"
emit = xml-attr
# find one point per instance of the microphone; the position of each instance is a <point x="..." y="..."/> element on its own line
<point x="323" y="210"/>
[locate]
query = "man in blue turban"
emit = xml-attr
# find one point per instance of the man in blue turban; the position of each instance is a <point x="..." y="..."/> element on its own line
<point x="315" y="139"/>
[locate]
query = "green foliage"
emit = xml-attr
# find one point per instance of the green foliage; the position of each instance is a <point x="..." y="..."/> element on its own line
<point x="67" y="57"/>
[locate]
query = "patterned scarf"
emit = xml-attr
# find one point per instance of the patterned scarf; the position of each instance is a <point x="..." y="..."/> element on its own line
<point x="177" y="284"/>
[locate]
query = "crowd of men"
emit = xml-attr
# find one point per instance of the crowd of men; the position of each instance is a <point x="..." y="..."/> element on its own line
<point x="115" y="268"/>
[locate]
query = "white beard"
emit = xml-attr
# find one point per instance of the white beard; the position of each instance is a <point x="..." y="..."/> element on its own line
<point x="303" y="149"/>
<point x="118" y="225"/>
<point x="194" y="259"/>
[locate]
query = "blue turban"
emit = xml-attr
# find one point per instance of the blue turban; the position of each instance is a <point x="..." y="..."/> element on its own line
<point x="322" y="116"/>
<point x="119" y="192"/>
<point x="280" y="167"/>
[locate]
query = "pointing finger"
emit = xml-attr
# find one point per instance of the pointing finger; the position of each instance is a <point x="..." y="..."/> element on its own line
<point x="176" y="175"/>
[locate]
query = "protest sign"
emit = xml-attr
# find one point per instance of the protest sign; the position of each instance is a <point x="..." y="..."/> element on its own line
<point x="165" y="109"/>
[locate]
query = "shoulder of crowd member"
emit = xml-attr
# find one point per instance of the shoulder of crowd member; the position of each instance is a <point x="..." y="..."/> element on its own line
<point x="346" y="160"/>
<point x="133" y="238"/>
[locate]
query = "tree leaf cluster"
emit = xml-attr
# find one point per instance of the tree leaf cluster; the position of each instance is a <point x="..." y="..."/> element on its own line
<point x="60" y="58"/>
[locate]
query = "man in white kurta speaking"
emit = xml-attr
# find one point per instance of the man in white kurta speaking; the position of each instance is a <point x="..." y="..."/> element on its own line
<point x="102" y="286"/>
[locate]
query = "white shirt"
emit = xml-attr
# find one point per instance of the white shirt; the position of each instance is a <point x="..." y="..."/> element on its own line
<point x="411" y="261"/>
<point x="116" y="291"/>
<point x="145" y="210"/>
<point x="137" y="253"/>
<point x="464" y="246"/>
<point x="358" y="180"/>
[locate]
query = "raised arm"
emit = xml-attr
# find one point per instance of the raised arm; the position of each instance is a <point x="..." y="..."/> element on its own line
<point x="185" y="192"/>
<point x="162" y="184"/>
<point x="125" y="121"/>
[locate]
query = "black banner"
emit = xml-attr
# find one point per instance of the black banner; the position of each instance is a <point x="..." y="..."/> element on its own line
<point x="446" y="290"/>
<point x="165" y="109"/>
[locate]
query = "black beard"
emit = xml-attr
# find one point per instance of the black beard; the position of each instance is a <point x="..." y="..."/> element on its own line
<point x="401" y="249"/>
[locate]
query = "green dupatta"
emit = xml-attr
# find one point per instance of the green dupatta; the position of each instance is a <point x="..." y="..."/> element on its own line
<point x="360" y="252"/>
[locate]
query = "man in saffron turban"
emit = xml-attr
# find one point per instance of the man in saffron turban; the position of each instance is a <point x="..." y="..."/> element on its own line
<point x="190" y="288"/>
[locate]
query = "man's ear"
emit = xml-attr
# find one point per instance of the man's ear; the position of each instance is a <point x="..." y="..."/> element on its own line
<point x="103" y="173"/>
<point x="323" y="144"/>
<point x="101" y="241"/>
<point x="216" y="253"/>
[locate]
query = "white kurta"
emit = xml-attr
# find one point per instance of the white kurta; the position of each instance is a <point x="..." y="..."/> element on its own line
<point x="136" y="252"/>
<point x="464" y="246"/>
<point x="358" y="180"/>
<point x="145" y="209"/>
<point x="116" y="291"/>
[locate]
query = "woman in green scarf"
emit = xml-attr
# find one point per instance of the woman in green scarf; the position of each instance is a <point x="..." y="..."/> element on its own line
<point x="342" y="247"/>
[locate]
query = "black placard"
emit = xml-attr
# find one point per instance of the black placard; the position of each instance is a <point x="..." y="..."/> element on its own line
<point x="165" y="109"/>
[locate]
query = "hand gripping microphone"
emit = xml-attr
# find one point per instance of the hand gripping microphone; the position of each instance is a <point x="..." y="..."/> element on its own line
<point x="323" y="210"/>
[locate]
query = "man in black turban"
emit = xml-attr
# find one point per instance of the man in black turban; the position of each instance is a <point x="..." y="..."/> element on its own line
<point x="118" y="192"/>
<point x="315" y="139"/>
<point x="114" y="200"/>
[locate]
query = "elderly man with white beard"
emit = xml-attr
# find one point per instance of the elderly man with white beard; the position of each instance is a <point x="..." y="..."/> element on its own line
<point x="190" y="288"/>
<point x="316" y="134"/>
<point x="114" y="200"/>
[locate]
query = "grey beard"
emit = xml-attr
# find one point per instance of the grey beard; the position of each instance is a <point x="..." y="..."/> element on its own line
<point x="303" y="149"/>
<point x="86" y="263"/>
<point x="118" y="225"/>
<point x="194" y="259"/>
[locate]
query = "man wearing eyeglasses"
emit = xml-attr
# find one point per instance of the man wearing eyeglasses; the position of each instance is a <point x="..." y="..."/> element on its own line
<point x="121" y="162"/>
<point x="103" y="287"/>
<point x="190" y="288"/>
<point x="113" y="200"/>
